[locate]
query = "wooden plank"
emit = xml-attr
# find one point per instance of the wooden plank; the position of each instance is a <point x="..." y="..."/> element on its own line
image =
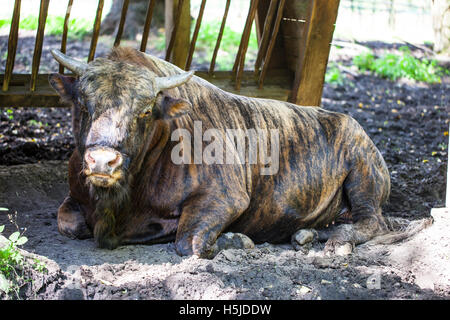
<point x="65" y="32"/>
<point x="19" y="94"/>
<point x="219" y="38"/>
<point x="123" y="16"/>
<point x="177" y="22"/>
<point x="247" y="29"/>
<point x="278" y="60"/>
<point x="310" y="75"/>
<point x="277" y="87"/>
<point x="195" y="35"/>
<point x="267" y="28"/>
<point x="148" y="21"/>
<point x="273" y="38"/>
<point x="244" y="41"/>
<point x="96" y="30"/>
<point x="43" y="11"/>
<point x="293" y="30"/>
<point x="12" y="45"/>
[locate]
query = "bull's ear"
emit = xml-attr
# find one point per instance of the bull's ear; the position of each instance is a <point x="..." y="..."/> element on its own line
<point x="167" y="107"/>
<point x="64" y="85"/>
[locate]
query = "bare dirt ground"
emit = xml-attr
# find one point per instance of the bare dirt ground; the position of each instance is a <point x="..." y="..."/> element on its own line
<point x="407" y="121"/>
<point x="415" y="269"/>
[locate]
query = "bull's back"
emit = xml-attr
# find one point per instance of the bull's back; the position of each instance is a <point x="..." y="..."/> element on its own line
<point x="307" y="190"/>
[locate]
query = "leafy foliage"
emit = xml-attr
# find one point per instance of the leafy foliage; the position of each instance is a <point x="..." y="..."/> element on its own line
<point x="404" y="65"/>
<point x="334" y="75"/>
<point x="13" y="264"/>
<point x="229" y="45"/>
<point x="78" y="27"/>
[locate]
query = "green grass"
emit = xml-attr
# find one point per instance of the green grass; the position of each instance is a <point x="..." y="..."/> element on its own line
<point x="404" y="65"/>
<point x="228" y="47"/>
<point x="78" y="27"/>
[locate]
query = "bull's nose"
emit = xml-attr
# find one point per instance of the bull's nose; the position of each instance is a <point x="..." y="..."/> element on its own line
<point x="102" y="160"/>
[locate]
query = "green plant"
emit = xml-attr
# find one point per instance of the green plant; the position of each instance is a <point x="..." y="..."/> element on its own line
<point x="404" y="65"/>
<point x="34" y="123"/>
<point x="13" y="265"/>
<point x="229" y="44"/>
<point x="334" y="75"/>
<point x="10" y="114"/>
<point x="10" y="259"/>
<point x="78" y="27"/>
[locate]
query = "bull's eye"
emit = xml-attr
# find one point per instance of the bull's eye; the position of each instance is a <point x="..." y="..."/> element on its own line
<point x="146" y="113"/>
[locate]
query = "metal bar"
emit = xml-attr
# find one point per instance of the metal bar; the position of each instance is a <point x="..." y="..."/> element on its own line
<point x="148" y="21"/>
<point x="195" y="35"/>
<point x="266" y="33"/>
<point x="12" y="45"/>
<point x="271" y="43"/>
<point x="65" y="31"/>
<point x="174" y="30"/>
<point x="219" y="38"/>
<point x="96" y="30"/>
<point x="252" y="13"/>
<point x="121" y="23"/>
<point x="43" y="10"/>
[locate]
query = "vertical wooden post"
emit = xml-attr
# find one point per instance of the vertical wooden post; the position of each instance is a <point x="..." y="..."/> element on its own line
<point x="148" y="21"/>
<point x="65" y="31"/>
<point x="314" y="52"/>
<point x="43" y="10"/>
<point x="219" y="38"/>
<point x="12" y="45"/>
<point x="271" y="44"/>
<point x="96" y="30"/>
<point x="195" y="35"/>
<point x="177" y="31"/>
<point x="123" y="16"/>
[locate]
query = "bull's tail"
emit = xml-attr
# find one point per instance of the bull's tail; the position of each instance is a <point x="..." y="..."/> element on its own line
<point x="401" y="229"/>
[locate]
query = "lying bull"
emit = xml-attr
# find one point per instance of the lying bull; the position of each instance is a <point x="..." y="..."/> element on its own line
<point x="125" y="187"/>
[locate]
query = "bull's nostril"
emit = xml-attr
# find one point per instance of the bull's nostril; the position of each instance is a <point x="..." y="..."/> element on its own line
<point x="89" y="159"/>
<point x="115" y="162"/>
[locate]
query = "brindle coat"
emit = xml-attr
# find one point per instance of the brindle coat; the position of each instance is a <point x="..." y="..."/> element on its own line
<point x="327" y="164"/>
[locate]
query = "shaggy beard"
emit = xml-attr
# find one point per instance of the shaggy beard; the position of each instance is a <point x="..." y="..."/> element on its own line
<point x="111" y="205"/>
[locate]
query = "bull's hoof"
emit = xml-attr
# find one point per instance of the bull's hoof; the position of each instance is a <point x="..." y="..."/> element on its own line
<point x="230" y="240"/>
<point x="71" y="222"/>
<point x="338" y="248"/>
<point x="303" y="239"/>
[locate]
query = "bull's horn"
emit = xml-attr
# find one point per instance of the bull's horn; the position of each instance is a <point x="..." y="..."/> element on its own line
<point x="73" y="65"/>
<point x="163" y="83"/>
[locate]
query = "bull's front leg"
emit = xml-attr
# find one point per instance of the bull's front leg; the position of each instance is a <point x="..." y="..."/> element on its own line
<point x="71" y="222"/>
<point x="202" y="221"/>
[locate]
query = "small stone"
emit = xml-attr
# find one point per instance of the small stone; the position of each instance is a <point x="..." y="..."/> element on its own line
<point x="302" y="239"/>
<point x="229" y="255"/>
<point x="344" y="250"/>
<point x="356" y="285"/>
<point x="303" y="290"/>
<point x="325" y="282"/>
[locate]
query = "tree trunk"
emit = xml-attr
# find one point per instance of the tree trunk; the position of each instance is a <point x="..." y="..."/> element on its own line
<point x="441" y="26"/>
<point x="135" y="18"/>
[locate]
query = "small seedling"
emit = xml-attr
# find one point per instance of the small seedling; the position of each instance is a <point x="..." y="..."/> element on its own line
<point x="14" y="267"/>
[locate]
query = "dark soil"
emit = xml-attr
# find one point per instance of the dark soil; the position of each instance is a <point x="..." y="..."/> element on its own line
<point x="407" y="121"/>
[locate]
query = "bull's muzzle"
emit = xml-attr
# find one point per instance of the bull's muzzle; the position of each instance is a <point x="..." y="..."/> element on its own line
<point x="102" y="166"/>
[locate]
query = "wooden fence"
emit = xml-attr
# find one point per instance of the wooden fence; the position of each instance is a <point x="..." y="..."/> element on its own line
<point x="293" y="46"/>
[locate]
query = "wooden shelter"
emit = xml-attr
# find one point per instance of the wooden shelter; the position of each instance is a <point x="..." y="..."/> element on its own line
<point x="294" y="39"/>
